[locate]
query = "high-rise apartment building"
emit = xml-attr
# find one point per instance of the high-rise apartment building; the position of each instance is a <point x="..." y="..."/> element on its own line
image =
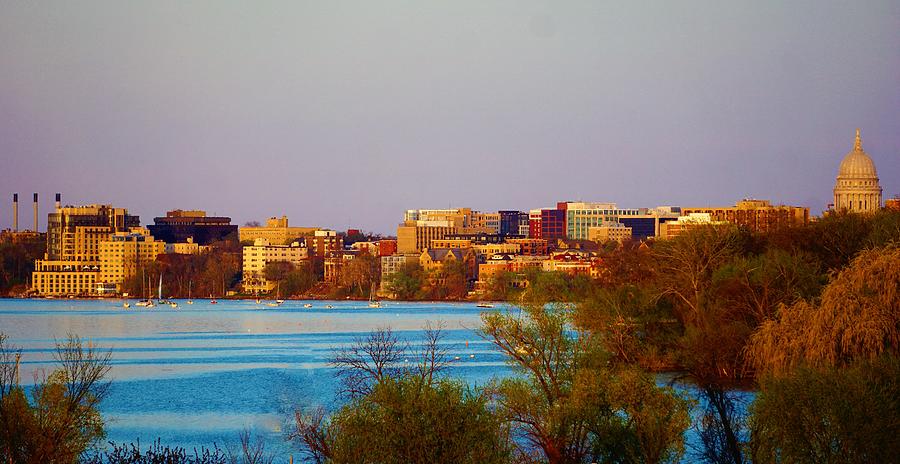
<point x="260" y="254"/>
<point x="123" y="255"/>
<point x="71" y="265"/>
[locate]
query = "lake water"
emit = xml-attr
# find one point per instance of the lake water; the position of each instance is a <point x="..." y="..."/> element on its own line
<point x="200" y="374"/>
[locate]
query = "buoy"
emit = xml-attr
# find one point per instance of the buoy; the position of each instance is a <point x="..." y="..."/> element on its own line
<point x="467" y="343"/>
<point x="471" y="356"/>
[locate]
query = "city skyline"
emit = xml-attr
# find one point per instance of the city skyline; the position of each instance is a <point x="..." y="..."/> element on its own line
<point x="345" y="115"/>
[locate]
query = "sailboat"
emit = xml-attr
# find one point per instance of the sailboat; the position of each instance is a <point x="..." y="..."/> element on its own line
<point x="278" y="301"/>
<point x="373" y="302"/>
<point x="190" y="301"/>
<point x="159" y="297"/>
<point x="148" y="303"/>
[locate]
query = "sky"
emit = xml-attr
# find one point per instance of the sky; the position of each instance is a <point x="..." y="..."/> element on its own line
<point x="344" y="114"/>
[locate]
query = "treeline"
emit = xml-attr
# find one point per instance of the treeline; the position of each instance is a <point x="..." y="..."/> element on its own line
<point x="17" y="264"/>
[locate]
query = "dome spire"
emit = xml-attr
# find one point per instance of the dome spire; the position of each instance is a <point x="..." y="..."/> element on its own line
<point x="858" y="145"/>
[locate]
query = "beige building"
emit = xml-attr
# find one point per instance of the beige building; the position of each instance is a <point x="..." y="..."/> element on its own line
<point x="856" y="188"/>
<point x="488" y="250"/>
<point x="486" y="222"/>
<point x="415" y="236"/>
<point x="451" y="243"/>
<point x="433" y="261"/>
<point x="124" y="254"/>
<point x="612" y="231"/>
<point x="756" y="215"/>
<point x="324" y="242"/>
<point x="187" y="248"/>
<point x="672" y="229"/>
<point x="261" y="253"/>
<point x="276" y="231"/>
<point x="72" y="264"/>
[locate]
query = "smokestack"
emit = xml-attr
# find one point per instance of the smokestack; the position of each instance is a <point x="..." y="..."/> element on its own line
<point x="35" y="212"/>
<point x="58" y="200"/>
<point x="15" y="212"/>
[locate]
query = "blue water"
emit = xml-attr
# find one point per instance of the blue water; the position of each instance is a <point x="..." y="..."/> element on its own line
<point x="200" y="374"/>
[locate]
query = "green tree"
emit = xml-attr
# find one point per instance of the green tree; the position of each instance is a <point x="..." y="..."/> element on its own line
<point x="407" y="282"/>
<point x="858" y="317"/>
<point x="568" y="405"/>
<point x="401" y="413"/>
<point x="829" y="415"/>
<point x="61" y="420"/>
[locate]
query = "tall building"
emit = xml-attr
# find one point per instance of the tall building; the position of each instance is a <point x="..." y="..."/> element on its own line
<point x="324" y="242"/>
<point x="486" y="222"/>
<point x="856" y="188"/>
<point x="415" y="236"/>
<point x="178" y="226"/>
<point x="756" y="215"/>
<point x="260" y="254"/>
<point x="71" y="265"/>
<point x="511" y="222"/>
<point x="123" y="255"/>
<point x="276" y="231"/>
<point x="74" y="233"/>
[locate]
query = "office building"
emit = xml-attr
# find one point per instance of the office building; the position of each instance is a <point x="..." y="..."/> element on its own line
<point x="183" y="226"/>
<point x="123" y="255"/>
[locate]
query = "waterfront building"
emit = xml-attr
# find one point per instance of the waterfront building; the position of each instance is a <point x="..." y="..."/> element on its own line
<point x="552" y="224"/>
<point x="180" y="225"/>
<point x="276" y="231"/>
<point x="71" y="265"/>
<point x="515" y="264"/>
<point x="433" y="261"/>
<point x="257" y="256"/>
<point x="756" y="215"/>
<point x="384" y="247"/>
<point x="415" y="236"/>
<point x="335" y="262"/>
<point x="573" y="262"/>
<point x="612" y="231"/>
<point x="323" y="242"/>
<point x="391" y="264"/>
<point x="123" y="255"/>
<point x="856" y="188"/>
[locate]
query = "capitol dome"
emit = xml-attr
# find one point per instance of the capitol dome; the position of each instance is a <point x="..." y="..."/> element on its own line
<point x="856" y="187"/>
<point x="857" y="163"/>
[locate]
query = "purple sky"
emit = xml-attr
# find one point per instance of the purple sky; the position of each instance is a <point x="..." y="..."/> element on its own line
<point x="347" y="113"/>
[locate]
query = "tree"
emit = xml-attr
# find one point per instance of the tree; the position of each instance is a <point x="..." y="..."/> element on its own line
<point x="61" y="421"/>
<point x="858" y="317"/>
<point x="830" y="414"/>
<point x="401" y="413"/>
<point x="568" y="405"/>
<point x="407" y="282"/>
<point x="360" y="274"/>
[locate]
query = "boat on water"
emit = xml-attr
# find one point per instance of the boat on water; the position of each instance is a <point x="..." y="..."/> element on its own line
<point x="148" y="303"/>
<point x="126" y="305"/>
<point x="190" y="301"/>
<point x="307" y="305"/>
<point x="173" y="304"/>
<point x="159" y="297"/>
<point x="373" y="301"/>
<point x="329" y="307"/>
<point x="485" y="305"/>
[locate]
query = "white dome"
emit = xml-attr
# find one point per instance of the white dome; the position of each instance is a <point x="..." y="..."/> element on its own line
<point x="857" y="164"/>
